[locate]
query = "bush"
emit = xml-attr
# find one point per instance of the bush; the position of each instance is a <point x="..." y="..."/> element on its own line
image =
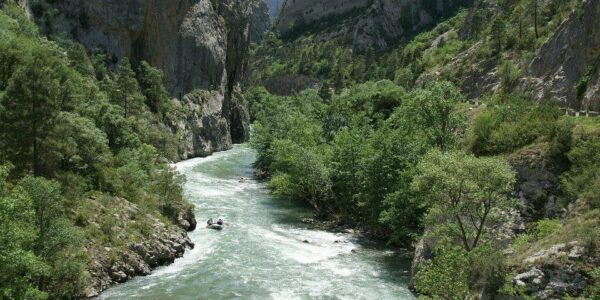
<point x="509" y="74"/>
<point x="512" y="121"/>
<point x="446" y="276"/>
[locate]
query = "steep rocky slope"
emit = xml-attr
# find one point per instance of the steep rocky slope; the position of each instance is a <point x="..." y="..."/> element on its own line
<point x="200" y="45"/>
<point x="140" y="242"/>
<point x="568" y="62"/>
<point x="274" y="7"/>
<point x="362" y="23"/>
<point x="260" y="22"/>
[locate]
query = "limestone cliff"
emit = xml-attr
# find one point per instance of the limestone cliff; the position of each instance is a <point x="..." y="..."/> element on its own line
<point x="362" y="23"/>
<point x="570" y="59"/>
<point x="199" y="44"/>
<point x="260" y="22"/>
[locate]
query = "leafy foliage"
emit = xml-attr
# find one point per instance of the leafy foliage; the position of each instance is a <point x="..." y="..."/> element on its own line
<point x="353" y="156"/>
<point x="70" y="127"/>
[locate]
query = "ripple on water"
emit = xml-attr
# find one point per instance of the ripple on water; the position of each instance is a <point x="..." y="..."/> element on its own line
<point x="262" y="254"/>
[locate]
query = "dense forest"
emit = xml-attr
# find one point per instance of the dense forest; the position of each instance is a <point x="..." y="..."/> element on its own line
<point x="403" y="144"/>
<point x="78" y="132"/>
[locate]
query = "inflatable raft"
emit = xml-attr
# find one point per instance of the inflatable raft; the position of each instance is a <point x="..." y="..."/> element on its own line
<point x="215" y="226"/>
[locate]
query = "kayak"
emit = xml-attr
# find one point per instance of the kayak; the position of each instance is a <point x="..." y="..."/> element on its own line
<point x="215" y="226"/>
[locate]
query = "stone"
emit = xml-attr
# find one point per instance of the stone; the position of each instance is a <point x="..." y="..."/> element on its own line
<point x="117" y="265"/>
<point x="531" y="280"/>
<point x="118" y="276"/>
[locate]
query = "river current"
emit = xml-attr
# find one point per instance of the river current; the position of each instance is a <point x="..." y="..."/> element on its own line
<point x="263" y="253"/>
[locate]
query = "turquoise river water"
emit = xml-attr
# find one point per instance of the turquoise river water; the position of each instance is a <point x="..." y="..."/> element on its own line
<point x="262" y="253"/>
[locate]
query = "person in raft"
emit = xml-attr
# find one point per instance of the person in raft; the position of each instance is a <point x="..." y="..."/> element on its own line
<point x="219" y="224"/>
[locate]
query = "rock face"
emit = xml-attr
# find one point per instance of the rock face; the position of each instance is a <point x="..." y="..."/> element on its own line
<point x="199" y="44"/>
<point x="362" y="23"/>
<point x="260" y="22"/>
<point x="537" y="182"/>
<point x="566" y="58"/>
<point x="138" y="242"/>
<point x="552" y="272"/>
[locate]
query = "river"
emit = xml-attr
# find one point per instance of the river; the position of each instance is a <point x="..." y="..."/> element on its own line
<point x="262" y="254"/>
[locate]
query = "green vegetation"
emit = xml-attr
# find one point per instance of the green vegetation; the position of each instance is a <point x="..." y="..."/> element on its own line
<point x="71" y="129"/>
<point x="389" y="144"/>
<point x="355" y="155"/>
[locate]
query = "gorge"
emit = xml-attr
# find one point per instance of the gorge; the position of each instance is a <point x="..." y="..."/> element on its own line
<point x="399" y="149"/>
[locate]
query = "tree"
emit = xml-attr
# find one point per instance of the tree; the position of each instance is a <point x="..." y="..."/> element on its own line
<point x="534" y="7"/>
<point x="76" y="145"/>
<point x="31" y="101"/>
<point x="446" y="276"/>
<point x="127" y="93"/>
<point x="498" y="28"/>
<point x="345" y="163"/>
<point x="431" y="110"/>
<point x="152" y="84"/>
<point x="20" y="265"/>
<point x="58" y="243"/>
<point x="465" y="195"/>
<point x="519" y="12"/>
<point x="80" y="60"/>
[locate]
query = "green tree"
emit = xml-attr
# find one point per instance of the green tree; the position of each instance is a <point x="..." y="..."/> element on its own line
<point x="431" y="110"/>
<point x="127" y="91"/>
<point x="80" y="60"/>
<point x="534" y="8"/>
<point x="465" y="194"/>
<point x="58" y="243"/>
<point x="20" y="265"/>
<point x="346" y="156"/>
<point x="152" y="84"/>
<point x="446" y="276"/>
<point x="31" y="102"/>
<point x="498" y="28"/>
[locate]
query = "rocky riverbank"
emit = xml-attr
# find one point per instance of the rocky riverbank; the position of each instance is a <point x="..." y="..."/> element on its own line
<point x="137" y="241"/>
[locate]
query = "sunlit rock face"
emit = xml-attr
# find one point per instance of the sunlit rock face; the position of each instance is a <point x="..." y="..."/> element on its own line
<point x="363" y="23"/>
<point x="199" y="44"/>
<point x="566" y="59"/>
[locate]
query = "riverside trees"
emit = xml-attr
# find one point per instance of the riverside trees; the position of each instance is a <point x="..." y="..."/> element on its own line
<point x="355" y="156"/>
<point x="71" y="130"/>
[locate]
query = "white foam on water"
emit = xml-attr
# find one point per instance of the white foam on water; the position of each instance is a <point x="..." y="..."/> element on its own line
<point x="273" y="261"/>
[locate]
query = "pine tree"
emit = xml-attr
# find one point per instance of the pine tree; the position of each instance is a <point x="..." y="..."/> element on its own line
<point x="31" y="101"/>
<point x="128" y="91"/>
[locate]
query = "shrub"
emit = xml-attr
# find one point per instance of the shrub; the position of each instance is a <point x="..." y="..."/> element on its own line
<point x="446" y="276"/>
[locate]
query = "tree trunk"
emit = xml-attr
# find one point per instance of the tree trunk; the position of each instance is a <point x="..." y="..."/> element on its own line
<point x="535" y="18"/>
<point x="35" y="155"/>
<point x="520" y="29"/>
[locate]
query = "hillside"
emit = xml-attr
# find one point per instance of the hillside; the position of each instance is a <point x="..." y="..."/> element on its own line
<point x="471" y="138"/>
<point x="97" y="98"/>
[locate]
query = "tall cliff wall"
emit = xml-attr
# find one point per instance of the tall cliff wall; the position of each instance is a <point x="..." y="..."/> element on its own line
<point x="199" y="44"/>
<point x="363" y="23"/>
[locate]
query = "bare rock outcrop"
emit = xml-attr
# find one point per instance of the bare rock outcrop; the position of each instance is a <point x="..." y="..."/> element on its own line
<point x="137" y="241"/>
<point x="563" y="62"/>
<point x="552" y="273"/>
<point x="363" y="23"/>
